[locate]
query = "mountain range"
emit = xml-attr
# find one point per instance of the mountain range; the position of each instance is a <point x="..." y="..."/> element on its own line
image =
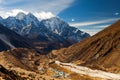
<point x="52" y="50"/>
<point x="46" y="35"/>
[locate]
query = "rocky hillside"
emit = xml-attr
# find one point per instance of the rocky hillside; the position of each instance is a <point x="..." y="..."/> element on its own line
<point x="100" y="51"/>
<point x="22" y="57"/>
<point x="22" y="64"/>
<point x="9" y="40"/>
<point x="8" y="75"/>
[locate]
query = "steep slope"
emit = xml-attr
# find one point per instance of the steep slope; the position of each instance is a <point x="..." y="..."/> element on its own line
<point x="9" y="39"/>
<point x="27" y="64"/>
<point x="8" y="75"/>
<point x="23" y="58"/>
<point x="100" y="51"/>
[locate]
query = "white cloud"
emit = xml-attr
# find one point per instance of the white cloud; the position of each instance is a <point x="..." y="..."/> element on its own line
<point x="116" y="13"/>
<point x="39" y="15"/>
<point x="91" y="32"/>
<point x="57" y="6"/>
<point x="99" y="26"/>
<point x="13" y="12"/>
<point x="40" y="8"/>
<point x="54" y="6"/>
<point x="78" y="24"/>
<point x="94" y="29"/>
<point x="44" y="15"/>
<point x="1" y="1"/>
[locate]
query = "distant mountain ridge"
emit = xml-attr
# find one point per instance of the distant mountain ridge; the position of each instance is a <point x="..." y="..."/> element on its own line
<point x="29" y="24"/>
<point x="54" y="31"/>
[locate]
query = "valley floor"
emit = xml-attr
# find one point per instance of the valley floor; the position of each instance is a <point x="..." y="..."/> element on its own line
<point x="87" y="71"/>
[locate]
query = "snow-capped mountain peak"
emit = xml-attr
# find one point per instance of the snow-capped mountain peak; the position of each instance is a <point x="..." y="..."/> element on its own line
<point x="31" y="19"/>
<point x="30" y="15"/>
<point x="63" y="29"/>
<point x="54" y="22"/>
<point x="20" y="16"/>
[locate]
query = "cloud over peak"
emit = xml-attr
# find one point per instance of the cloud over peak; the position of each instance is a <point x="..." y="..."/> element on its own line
<point x="54" y="6"/>
<point x="42" y="9"/>
<point x="44" y="15"/>
<point x="14" y="12"/>
<point x="40" y="15"/>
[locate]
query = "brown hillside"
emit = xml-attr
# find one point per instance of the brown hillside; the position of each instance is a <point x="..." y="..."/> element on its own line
<point x="8" y="75"/>
<point x="100" y="51"/>
<point x="22" y="57"/>
<point x="21" y="64"/>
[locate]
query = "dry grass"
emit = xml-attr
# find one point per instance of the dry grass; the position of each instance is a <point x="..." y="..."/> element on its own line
<point x="55" y="66"/>
<point x="75" y="76"/>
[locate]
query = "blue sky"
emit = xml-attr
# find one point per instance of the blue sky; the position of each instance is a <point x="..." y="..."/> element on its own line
<point x="92" y="15"/>
<point x="87" y="15"/>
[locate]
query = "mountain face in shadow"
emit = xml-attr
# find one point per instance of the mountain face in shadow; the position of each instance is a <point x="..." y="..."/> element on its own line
<point x="9" y="39"/>
<point x="100" y="51"/>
